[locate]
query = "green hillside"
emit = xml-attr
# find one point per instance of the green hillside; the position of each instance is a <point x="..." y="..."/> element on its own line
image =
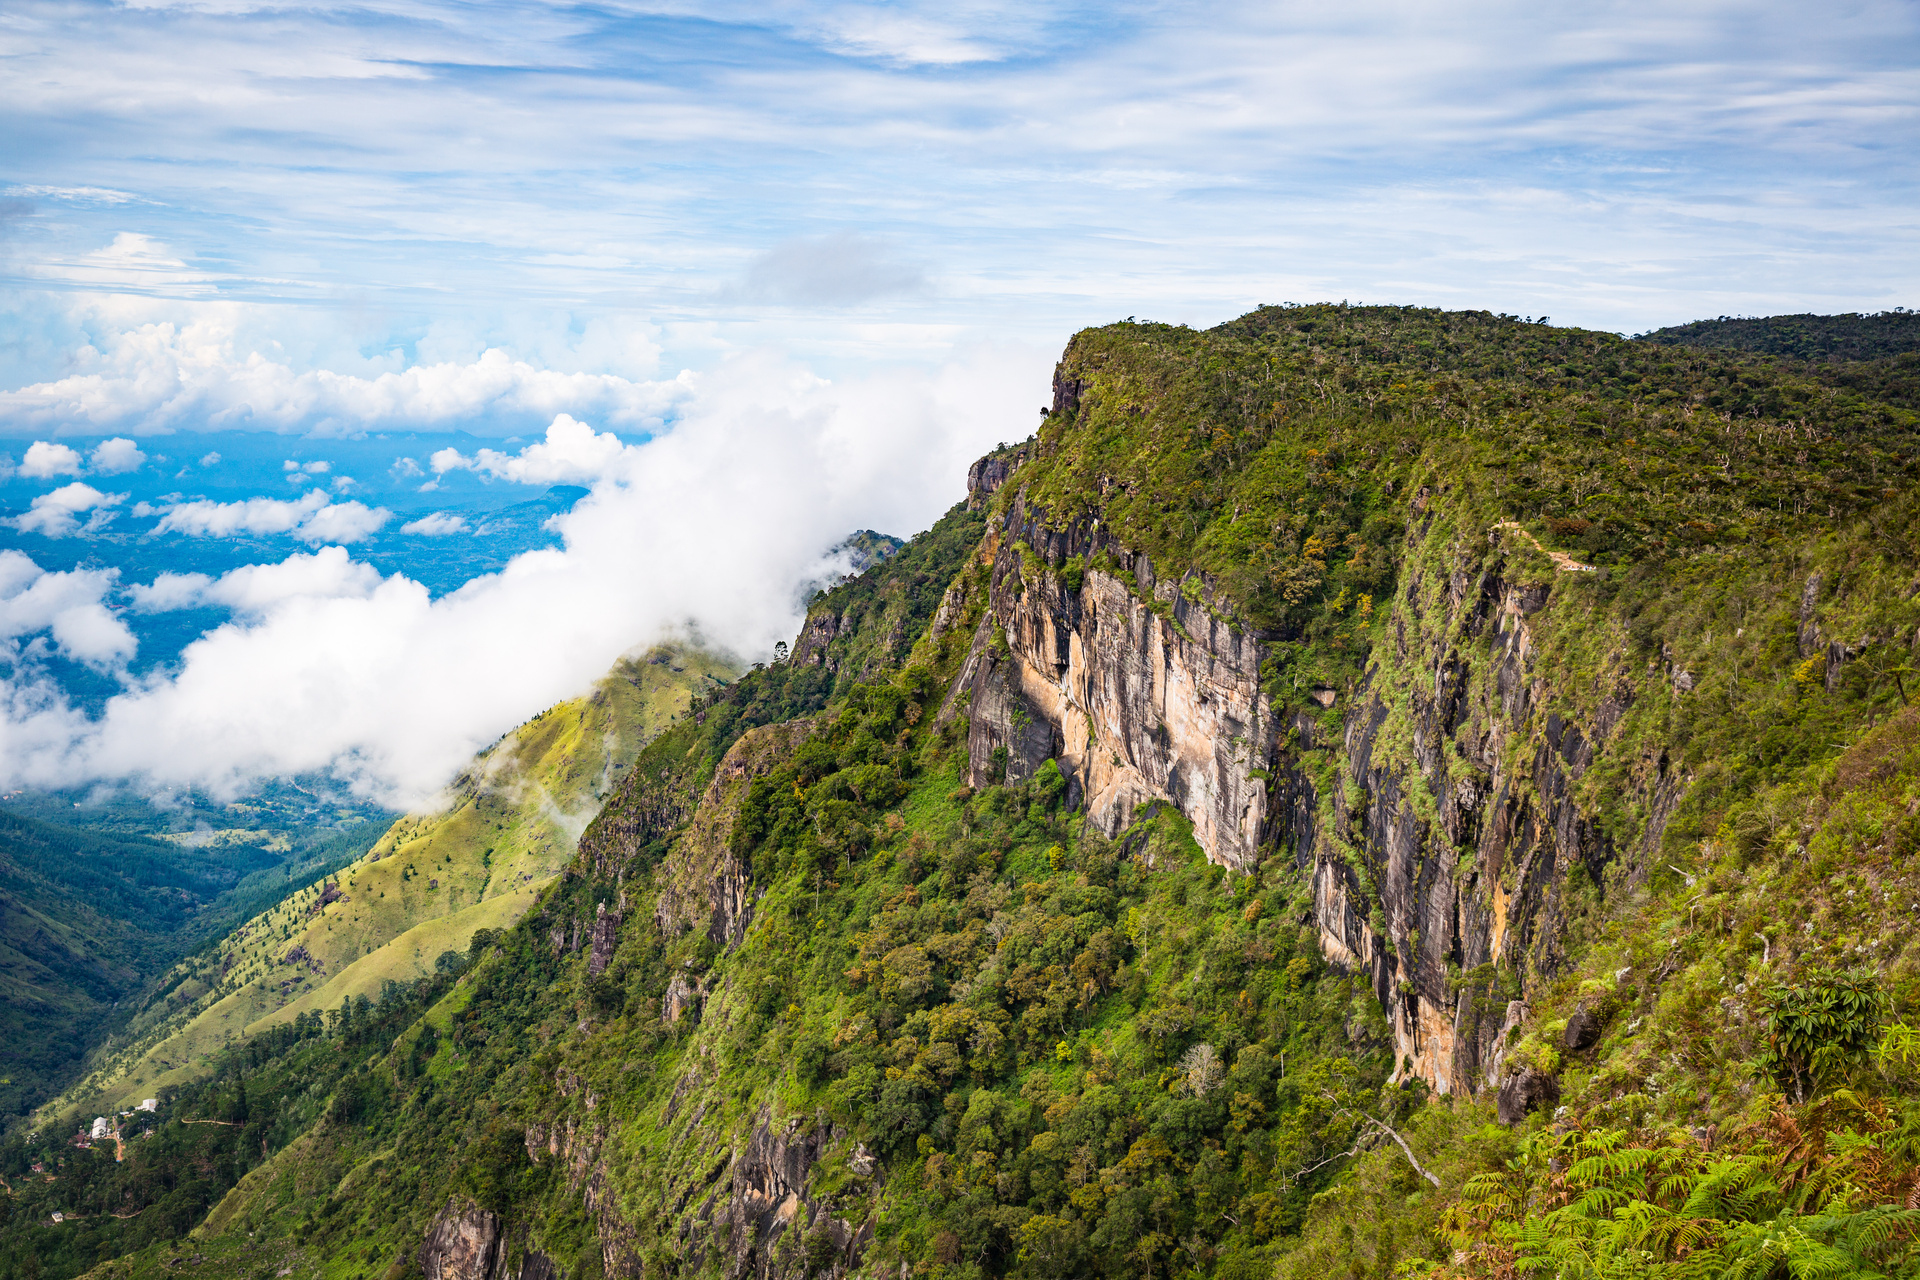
<point x="1849" y="337"/>
<point x="89" y="918"/>
<point x="1373" y="792"/>
<point x="423" y="888"/>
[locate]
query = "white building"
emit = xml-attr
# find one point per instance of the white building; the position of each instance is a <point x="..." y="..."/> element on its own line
<point x="102" y="1128"/>
<point x="148" y="1104"/>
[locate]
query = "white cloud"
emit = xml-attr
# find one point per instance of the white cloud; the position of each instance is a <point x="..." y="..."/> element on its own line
<point x="898" y="37"/>
<point x="210" y="460"/>
<point x="343" y="522"/>
<point x="170" y="591"/>
<point x="439" y="524"/>
<point x="68" y="605"/>
<point x="311" y="518"/>
<point x="53" y="513"/>
<point x="133" y="263"/>
<point x="116" y="457"/>
<point x="204" y="518"/>
<point x="45" y="460"/>
<point x="95" y="195"/>
<point x="572" y="453"/>
<point x="713" y="525"/>
<point x="197" y="368"/>
<point x="255" y="590"/>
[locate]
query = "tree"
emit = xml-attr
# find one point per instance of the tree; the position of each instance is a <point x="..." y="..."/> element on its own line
<point x="1819" y="1029"/>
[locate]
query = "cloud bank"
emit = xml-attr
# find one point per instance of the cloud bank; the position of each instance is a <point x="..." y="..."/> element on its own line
<point x="198" y="367"/>
<point x="313" y="518"/>
<point x="708" y="528"/>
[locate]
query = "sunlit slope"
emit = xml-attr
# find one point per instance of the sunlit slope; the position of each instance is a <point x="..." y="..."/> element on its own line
<point x="510" y="822"/>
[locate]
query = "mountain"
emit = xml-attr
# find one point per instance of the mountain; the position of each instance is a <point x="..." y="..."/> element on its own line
<point x="506" y="828"/>
<point x="1364" y="790"/>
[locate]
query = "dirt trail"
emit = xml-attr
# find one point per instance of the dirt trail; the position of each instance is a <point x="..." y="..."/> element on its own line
<point x="1562" y="562"/>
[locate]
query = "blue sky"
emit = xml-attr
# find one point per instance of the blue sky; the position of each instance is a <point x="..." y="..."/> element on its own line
<point x="757" y="275"/>
<point x="632" y="189"/>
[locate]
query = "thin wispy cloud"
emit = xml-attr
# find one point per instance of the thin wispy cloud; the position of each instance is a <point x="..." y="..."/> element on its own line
<point x="843" y="269"/>
<point x="1058" y="165"/>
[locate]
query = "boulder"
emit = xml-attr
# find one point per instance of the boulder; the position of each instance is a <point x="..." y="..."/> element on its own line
<point x="1584" y="1028"/>
<point x="1527" y="1092"/>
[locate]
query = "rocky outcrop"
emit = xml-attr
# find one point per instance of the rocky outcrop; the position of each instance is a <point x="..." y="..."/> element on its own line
<point x="770" y="1205"/>
<point x="1584" y="1026"/>
<point x="1442" y="859"/>
<point x="987" y="476"/>
<point x="467" y="1242"/>
<point x="577" y="1149"/>
<point x="1525" y="1092"/>
<point x="1136" y="697"/>
<point x="745" y="1207"/>
<point x="1449" y="853"/>
<point x="462" y="1244"/>
<point x="704" y="884"/>
<point x="813" y="646"/>
<point x="606" y="928"/>
<point x="652" y="803"/>
<point x="682" y="998"/>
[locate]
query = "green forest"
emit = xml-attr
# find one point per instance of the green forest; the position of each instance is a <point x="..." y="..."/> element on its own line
<point x="1577" y="944"/>
<point x="92" y="920"/>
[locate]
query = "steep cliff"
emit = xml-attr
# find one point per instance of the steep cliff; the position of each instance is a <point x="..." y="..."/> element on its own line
<point x="1455" y="795"/>
<point x="1133" y="697"/>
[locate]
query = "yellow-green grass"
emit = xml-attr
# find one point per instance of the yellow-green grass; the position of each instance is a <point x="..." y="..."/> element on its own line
<point x="478" y="860"/>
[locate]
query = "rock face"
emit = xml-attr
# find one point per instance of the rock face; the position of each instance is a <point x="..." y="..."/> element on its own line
<point x="706" y="886"/>
<point x="1134" y="701"/>
<point x="770" y="1198"/>
<point x="462" y="1245"/>
<point x="745" y="1211"/>
<point x="1466" y="856"/>
<point x="466" y="1243"/>
<point x="985" y="477"/>
<point x="1583" y="1028"/>
<point x="606" y="928"/>
<point x="1453" y="828"/>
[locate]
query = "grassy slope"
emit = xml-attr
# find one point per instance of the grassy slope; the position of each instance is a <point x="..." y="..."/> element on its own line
<point x="510" y="825"/>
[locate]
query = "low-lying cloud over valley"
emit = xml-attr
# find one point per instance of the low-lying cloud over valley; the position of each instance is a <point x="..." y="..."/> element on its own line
<point x="707" y="529"/>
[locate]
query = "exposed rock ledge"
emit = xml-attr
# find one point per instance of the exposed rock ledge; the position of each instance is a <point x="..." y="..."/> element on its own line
<point x="1133" y="702"/>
